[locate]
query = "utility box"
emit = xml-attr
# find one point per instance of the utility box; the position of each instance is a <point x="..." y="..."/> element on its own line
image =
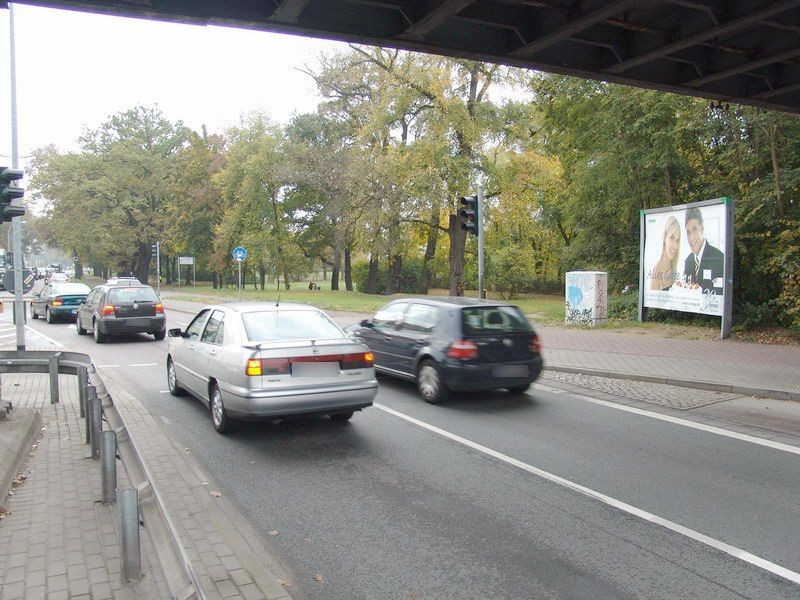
<point x="587" y="297"/>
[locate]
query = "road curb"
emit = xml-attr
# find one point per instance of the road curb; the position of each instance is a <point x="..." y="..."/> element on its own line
<point x="23" y="443"/>
<point x="688" y="383"/>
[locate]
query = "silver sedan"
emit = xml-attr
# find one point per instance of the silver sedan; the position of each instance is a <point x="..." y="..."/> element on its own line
<point x="269" y="361"/>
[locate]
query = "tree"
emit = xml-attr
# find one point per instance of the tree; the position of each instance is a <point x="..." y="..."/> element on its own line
<point x="116" y="188"/>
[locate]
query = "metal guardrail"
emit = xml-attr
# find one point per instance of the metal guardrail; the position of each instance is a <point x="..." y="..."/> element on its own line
<point x="138" y="507"/>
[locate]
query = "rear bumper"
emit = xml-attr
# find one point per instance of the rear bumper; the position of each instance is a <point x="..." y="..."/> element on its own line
<point x="464" y="377"/>
<point x="249" y="404"/>
<point x="64" y="312"/>
<point x="118" y="326"/>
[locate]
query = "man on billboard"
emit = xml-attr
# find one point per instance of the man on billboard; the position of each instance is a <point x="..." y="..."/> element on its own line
<point x="705" y="265"/>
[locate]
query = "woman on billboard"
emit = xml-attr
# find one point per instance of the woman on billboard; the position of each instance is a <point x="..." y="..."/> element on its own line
<point x="665" y="271"/>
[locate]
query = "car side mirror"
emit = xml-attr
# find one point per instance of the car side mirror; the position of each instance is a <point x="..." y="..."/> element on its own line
<point x="176" y="332"/>
<point x="366" y="323"/>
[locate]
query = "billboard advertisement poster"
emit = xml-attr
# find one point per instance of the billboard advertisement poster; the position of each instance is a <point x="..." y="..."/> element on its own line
<point x="684" y="257"/>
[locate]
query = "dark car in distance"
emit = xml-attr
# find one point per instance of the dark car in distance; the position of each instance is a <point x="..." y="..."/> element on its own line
<point x="58" y="301"/>
<point x="453" y="344"/>
<point x="111" y="310"/>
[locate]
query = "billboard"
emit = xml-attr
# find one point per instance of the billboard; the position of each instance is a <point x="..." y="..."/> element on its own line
<point x="685" y="254"/>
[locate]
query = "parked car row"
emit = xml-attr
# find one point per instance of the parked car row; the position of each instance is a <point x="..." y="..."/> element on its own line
<point x="259" y="360"/>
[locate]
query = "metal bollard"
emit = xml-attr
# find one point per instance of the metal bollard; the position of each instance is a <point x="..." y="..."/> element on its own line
<point x="83" y="382"/>
<point x="96" y="424"/>
<point x="91" y="392"/>
<point x="108" y="467"/>
<point x="53" y="364"/>
<point x="129" y="534"/>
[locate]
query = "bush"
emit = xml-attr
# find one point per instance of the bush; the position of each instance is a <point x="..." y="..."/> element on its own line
<point x="624" y="306"/>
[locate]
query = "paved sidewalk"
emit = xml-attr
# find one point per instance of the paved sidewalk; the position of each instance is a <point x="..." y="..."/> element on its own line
<point x="771" y="371"/>
<point x="57" y="540"/>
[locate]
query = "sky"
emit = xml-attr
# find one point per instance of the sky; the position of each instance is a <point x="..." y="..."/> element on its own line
<point x="76" y="69"/>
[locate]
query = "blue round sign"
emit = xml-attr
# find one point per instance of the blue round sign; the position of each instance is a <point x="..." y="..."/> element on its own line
<point x="239" y="253"/>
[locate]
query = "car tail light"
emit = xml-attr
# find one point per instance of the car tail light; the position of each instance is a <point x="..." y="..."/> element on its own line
<point x="463" y="349"/>
<point x="267" y="366"/>
<point x="359" y="360"/>
<point x="107" y="310"/>
<point x="58" y="302"/>
<point x="536" y="345"/>
<point x="282" y="366"/>
<point x="159" y="308"/>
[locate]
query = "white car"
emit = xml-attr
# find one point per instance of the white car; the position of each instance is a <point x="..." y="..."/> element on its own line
<point x="269" y="361"/>
<point x="59" y="278"/>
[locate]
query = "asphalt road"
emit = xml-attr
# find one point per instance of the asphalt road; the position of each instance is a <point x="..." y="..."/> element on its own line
<point x="463" y="500"/>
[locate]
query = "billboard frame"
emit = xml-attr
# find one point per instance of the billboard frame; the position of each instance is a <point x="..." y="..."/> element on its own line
<point x="727" y="306"/>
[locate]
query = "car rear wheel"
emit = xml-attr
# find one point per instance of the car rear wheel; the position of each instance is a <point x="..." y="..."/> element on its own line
<point x="33" y="312"/>
<point x="430" y="384"/>
<point x="172" y="379"/>
<point x="342" y="417"/>
<point x="519" y="389"/>
<point x="218" y="414"/>
<point x="99" y="336"/>
<point x="49" y="316"/>
<point x="160" y="335"/>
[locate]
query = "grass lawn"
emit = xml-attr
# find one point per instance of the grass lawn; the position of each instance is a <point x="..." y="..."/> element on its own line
<point x="542" y="309"/>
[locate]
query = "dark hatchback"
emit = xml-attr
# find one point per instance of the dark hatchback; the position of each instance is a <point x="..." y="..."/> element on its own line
<point x="453" y="344"/>
<point x="120" y="309"/>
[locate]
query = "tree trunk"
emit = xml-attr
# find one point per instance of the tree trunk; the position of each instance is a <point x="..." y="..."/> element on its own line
<point x="286" y="283"/>
<point x="395" y="274"/>
<point x="262" y="276"/>
<point x="458" y="241"/>
<point x="430" y="251"/>
<point x="372" y="275"/>
<point x="337" y="259"/>
<point x="348" y="272"/>
<point x="773" y="152"/>
<point x="141" y="263"/>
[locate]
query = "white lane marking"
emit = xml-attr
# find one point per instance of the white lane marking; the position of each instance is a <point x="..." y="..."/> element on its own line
<point x="686" y="423"/>
<point x="145" y="365"/>
<point x="105" y="366"/>
<point x="618" y="504"/>
<point x="46" y="337"/>
<point x="182" y="323"/>
<point x="163" y="391"/>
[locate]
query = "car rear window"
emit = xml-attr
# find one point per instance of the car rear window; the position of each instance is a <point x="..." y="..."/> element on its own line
<point x="132" y="294"/>
<point x="487" y="320"/>
<point x="70" y="288"/>
<point x="275" y="325"/>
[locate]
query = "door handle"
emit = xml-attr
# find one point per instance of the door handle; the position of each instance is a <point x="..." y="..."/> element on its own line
<point x="212" y="352"/>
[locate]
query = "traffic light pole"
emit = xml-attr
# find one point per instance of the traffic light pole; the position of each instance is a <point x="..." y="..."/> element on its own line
<point x="16" y="223"/>
<point x="479" y="216"/>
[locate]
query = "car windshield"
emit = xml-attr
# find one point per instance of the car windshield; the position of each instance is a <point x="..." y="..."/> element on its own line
<point x="132" y="294"/>
<point x="487" y="320"/>
<point x="70" y="288"/>
<point x="274" y="325"/>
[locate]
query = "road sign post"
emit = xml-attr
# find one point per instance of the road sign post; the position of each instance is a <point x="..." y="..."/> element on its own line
<point x="239" y="254"/>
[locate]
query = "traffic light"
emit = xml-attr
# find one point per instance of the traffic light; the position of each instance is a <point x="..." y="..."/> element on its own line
<point x="470" y="214"/>
<point x="9" y="193"/>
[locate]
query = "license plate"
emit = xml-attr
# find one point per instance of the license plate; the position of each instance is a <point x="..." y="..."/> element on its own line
<point x="322" y="369"/>
<point x="510" y="371"/>
<point x="75" y="312"/>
